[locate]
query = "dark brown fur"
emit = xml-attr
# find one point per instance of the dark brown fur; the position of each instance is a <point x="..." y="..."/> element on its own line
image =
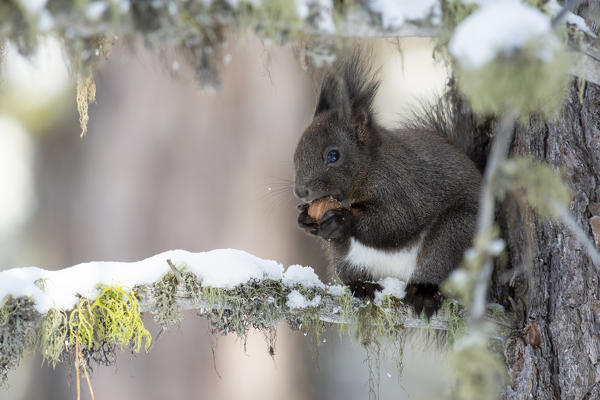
<point x="395" y="185"/>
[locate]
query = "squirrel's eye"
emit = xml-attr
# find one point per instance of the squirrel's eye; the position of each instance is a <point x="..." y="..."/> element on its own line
<point x="333" y="156"/>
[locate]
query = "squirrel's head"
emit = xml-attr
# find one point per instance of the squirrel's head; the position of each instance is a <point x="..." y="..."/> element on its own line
<point x="340" y="141"/>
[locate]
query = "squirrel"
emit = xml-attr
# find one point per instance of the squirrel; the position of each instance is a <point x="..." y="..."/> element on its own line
<point x="409" y="198"/>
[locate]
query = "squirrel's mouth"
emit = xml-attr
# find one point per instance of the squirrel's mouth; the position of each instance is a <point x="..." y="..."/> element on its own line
<point x="345" y="203"/>
<point x="323" y="198"/>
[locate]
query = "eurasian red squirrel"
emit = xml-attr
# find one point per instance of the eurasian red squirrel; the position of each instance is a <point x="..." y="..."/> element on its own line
<point x="409" y="198"/>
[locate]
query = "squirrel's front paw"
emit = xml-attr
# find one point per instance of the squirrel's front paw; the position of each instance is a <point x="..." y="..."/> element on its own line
<point x="305" y="221"/>
<point x="333" y="225"/>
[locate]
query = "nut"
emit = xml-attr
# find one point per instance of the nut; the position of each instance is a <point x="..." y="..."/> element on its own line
<point x="319" y="207"/>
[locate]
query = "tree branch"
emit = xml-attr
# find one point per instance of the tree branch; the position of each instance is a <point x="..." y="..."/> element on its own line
<point x="113" y="316"/>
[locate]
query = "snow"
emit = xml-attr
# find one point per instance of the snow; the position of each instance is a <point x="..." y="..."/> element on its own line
<point x="579" y="22"/>
<point x="95" y="10"/>
<point x="553" y="8"/>
<point x="323" y="16"/>
<point x="501" y="27"/>
<point x="34" y="6"/>
<point x="391" y="287"/>
<point x="336" y="290"/>
<point x="496" y="246"/>
<point x="305" y="276"/>
<point x="394" y="13"/>
<point x="459" y="277"/>
<point x="45" y="21"/>
<point x="297" y="300"/>
<point x="124" y="5"/>
<point x="224" y="268"/>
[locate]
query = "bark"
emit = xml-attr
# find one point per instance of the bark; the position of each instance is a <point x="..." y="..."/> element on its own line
<point x="560" y="295"/>
<point x="548" y="279"/>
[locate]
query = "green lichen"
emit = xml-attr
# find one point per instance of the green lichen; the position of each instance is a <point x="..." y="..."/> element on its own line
<point x="18" y="324"/>
<point x="167" y="311"/>
<point x="348" y="310"/>
<point x="452" y="312"/>
<point x="52" y="335"/>
<point x="256" y="304"/>
<point x="479" y="373"/>
<point x="540" y="182"/>
<point x="113" y="317"/>
<point x="520" y="82"/>
<point x="119" y="318"/>
<point x="374" y="322"/>
<point x="192" y="286"/>
<point x="309" y="321"/>
<point x="275" y="19"/>
<point x="86" y="94"/>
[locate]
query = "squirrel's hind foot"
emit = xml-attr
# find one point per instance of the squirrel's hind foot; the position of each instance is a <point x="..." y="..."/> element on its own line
<point x="424" y="297"/>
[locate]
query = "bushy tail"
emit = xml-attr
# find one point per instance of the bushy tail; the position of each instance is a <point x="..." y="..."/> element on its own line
<point x="450" y="116"/>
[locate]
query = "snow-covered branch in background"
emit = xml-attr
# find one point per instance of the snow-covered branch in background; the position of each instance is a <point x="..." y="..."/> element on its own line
<point x="98" y="304"/>
<point x="201" y="30"/>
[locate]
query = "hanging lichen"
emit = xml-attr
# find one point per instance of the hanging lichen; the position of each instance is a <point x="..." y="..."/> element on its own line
<point x="540" y="182"/>
<point x="520" y="83"/>
<point x="18" y="324"/>
<point x="53" y="334"/>
<point x="114" y="317"/>
<point x="86" y="94"/>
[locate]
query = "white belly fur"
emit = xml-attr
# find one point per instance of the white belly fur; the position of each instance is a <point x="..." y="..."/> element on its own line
<point x="380" y="263"/>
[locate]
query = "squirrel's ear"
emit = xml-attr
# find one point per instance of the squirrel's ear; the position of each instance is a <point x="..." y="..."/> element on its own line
<point x="324" y="103"/>
<point x="334" y="96"/>
<point x="327" y="96"/>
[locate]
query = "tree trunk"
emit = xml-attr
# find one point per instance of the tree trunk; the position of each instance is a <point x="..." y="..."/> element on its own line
<point x="560" y="295"/>
<point x="551" y="283"/>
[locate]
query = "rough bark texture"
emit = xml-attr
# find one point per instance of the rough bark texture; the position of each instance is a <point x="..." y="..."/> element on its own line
<point x="551" y="283"/>
<point x="559" y="293"/>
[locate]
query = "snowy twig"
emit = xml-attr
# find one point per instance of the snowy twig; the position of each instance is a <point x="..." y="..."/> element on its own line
<point x="568" y="7"/>
<point x="329" y="309"/>
<point x="199" y="28"/>
<point x="175" y="271"/>
<point x="99" y="303"/>
<point x="590" y="248"/>
<point x="499" y="152"/>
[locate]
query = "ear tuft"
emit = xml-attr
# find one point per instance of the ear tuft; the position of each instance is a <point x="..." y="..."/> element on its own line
<point x="349" y="89"/>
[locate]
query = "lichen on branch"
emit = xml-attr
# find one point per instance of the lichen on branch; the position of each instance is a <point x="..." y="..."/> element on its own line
<point x="112" y="319"/>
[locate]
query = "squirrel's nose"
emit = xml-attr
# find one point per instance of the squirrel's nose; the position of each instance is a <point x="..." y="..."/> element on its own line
<point x="301" y="191"/>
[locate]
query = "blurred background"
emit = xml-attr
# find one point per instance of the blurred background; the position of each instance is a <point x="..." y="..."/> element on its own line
<point x="165" y="165"/>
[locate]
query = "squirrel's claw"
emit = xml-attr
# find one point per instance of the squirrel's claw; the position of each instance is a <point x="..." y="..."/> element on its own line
<point x="333" y="226"/>
<point x="302" y="207"/>
<point x="364" y="290"/>
<point x="306" y="222"/>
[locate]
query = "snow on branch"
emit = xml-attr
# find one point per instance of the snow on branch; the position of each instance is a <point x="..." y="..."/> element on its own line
<point x="98" y="305"/>
<point x="201" y="26"/>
